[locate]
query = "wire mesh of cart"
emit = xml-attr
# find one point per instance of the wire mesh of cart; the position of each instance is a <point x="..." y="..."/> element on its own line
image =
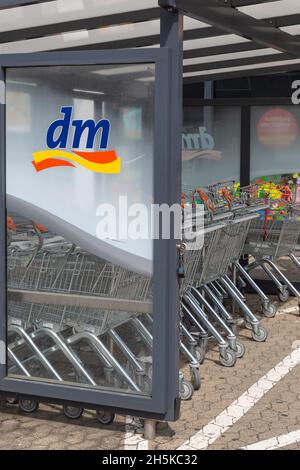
<point x="276" y="232"/>
<point x="56" y="266"/>
<point x="58" y="292"/>
<point x="223" y="241"/>
<point x="195" y="259"/>
<point x="225" y="199"/>
<point x="225" y="248"/>
<point x="214" y="204"/>
<point x="239" y="199"/>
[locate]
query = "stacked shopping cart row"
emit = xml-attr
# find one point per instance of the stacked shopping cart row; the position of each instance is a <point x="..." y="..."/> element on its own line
<point x="66" y="306"/>
<point x="274" y="236"/>
<point x="237" y="222"/>
<point x="74" y="317"/>
<point x="52" y="329"/>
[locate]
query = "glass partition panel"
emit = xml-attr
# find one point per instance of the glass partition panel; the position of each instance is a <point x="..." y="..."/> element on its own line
<point x="79" y="152"/>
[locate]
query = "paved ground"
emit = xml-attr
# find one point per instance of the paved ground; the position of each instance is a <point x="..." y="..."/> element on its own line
<point x="235" y="408"/>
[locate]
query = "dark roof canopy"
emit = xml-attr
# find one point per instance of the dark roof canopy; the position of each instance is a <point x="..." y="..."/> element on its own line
<point x="222" y="38"/>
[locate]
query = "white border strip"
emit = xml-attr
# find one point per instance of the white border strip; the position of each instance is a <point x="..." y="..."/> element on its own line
<point x="275" y="442"/>
<point x="2" y="353"/>
<point x="218" y="426"/>
<point x="2" y="92"/>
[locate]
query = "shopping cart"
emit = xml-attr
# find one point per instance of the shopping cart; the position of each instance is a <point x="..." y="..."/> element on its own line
<point x="55" y="269"/>
<point x="273" y="236"/>
<point x="42" y="273"/>
<point x="231" y="212"/>
<point x="195" y="316"/>
<point x="248" y="202"/>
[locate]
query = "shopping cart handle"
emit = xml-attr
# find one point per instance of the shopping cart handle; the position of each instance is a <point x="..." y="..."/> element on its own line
<point x="84" y="301"/>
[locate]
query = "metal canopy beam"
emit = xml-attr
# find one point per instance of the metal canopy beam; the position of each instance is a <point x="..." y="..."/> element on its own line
<point x="216" y="50"/>
<point x="199" y="33"/>
<point x="80" y="24"/>
<point x="268" y="70"/>
<point x="140" y="16"/>
<point x="144" y="41"/>
<point x="232" y="21"/>
<point x="122" y="18"/>
<point x="224" y="49"/>
<point x="245" y="3"/>
<point x="236" y="62"/>
<point x="19" y="3"/>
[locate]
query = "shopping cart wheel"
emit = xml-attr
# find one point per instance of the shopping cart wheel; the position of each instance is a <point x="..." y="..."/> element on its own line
<point x="228" y="358"/>
<point x="72" y="412"/>
<point x="269" y="310"/>
<point x="247" y="325"/>
<point x="260" y="335"/>
<point x="28" y="406"/>
<point x="186" y="390"/>
<point x="283" y="295"/>
<point x="11" y="401"/>
<point x="199" y="354"/>
<point x="195" y="378"/>
<point x="105" y="417"/>
<point x="239" y="349"/>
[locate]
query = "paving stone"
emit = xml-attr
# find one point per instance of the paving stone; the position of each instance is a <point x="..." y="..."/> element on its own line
<point x="275" y="413"/>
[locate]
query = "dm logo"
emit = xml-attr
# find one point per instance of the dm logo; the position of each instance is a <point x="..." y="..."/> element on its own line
<point x="102" y="161"/>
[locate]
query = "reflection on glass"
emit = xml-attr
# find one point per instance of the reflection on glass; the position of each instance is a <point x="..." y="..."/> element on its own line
<point x="275" y="140"/>
<point x="132" y="119"/>
<point x="19" y="112"/>
<point x="75" y="315"/>
<point x="210" y="145"/>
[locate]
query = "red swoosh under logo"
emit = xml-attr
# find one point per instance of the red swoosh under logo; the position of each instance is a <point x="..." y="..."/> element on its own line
<point x="50" y="163"/>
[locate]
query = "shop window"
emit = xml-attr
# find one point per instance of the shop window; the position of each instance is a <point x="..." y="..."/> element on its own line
<point x="210" y="145"/>
<point x="275" y="141"/>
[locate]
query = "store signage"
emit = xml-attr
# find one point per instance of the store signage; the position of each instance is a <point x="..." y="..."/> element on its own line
<point x="83" y="137"/>
<point x="277" y="128"/>
<point x="200" y="140"/>
<point x="296" y="93"/>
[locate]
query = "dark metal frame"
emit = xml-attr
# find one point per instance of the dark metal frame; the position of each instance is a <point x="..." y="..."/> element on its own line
<point x="233" y="21"/>
<point x="86" y="23"/>
<point x="20" y="3"/>
<point x="171" y="36"/>
<point x="225" y="18"/>
<point x="164" y="403"/>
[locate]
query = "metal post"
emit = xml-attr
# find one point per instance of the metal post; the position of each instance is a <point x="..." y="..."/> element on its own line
<point x="171" y="36"/>
<point x="208" y="111"/>
<point x="245" y="146"/>
<point x="3" y="352"/>
<point x="245" y="155"/>
<point x="149" y="429"/>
